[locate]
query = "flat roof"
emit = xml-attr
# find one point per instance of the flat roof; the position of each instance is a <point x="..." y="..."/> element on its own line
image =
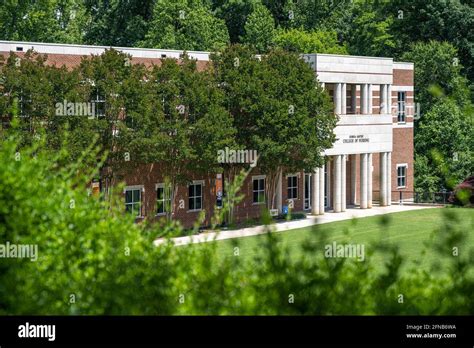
<point x="80" y="49"/>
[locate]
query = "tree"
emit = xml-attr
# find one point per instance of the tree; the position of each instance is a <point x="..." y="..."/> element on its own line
<point x="183" y="126"/>
<point x="185" y="25"/>
<point x="436" y="66"/>
<point x="319" y="15"/>
<point x="117" y="22"/>
<point x="370" y="33"/>
<point x="444" y="147"/>
<point x="43" y="21"/>
<point x="259" y="29"/>
<point x="235" y="14"/>
<point x="440" y="20"/>
<point x="278" y="109"/>
<point x="296" y="40"/>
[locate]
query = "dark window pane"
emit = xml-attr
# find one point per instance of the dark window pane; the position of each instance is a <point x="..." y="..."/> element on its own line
<point x="191" y="203"/>
<point x="255" y="185"/>
<point x="136" y="195"/>
<point x="160" y="193"/>
<point x="191" y="191"/>
<point x="198" y="190"/>
<point x="198" y="203"/>
<point x="128" y="196"/>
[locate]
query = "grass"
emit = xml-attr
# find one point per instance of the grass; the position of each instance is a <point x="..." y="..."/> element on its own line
<point x="409" y="230"/>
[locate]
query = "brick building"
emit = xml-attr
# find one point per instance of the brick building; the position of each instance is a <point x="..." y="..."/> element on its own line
<point x="371" y="160"/>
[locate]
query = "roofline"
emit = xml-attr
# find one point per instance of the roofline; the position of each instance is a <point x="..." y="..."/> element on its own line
<point x="403" y="63"/>
<point x="101" y="47"/>
<point x="172" y="50"/>
<point x="348" y="55"/>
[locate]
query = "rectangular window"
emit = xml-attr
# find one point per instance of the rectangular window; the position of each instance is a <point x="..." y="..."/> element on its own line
<point x="163" y="199"/>
<point x="133" y="202"/>
<point x="258" y="190"/>
<point x="401" y="102"/>
<point x="401" y="175"/>
<point x="195" y="196"/>
<point x="307" y="191"/>
<point x="99" y="103"/>
<point x="24" y="103"/>
<point x="292" y="187"/>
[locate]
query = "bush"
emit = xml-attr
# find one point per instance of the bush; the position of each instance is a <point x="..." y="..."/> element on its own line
<point x="93" y="259"/>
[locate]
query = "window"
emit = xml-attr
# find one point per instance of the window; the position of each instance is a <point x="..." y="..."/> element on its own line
<point x="163" y="199"/>
<point x="292" y="187"/>
<point x="258" y="189"/>
<point x="401" y="102"/>
<point x="307" y="191"/>
<point x="99" y="102"/>
<point x="402" y="175"/>
<point x="24" y="103"/>
<point x="195" y="196"/>
<point x="133" y="200"/>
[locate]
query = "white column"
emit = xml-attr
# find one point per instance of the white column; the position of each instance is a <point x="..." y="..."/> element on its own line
<point x="354" y="98"/>
<point x="369" y="98"/>
<point x="321" y="190"/>
<point x="344" y="99"/>
<point x="337" y="184"/>
<point x="343" y="182"/>
<point x="363" y="99"/>
<point x="383" y="179"/>
<point x="329" y="182"/>
<point x="315" y="192"/>
<point x="389" y="178"/>
<point x="389" y="99"/>
<point x="383" y="98"/>
<point x="323" y="85"/>
<point x="353" y="179"/>
<point x="337" y="98"/>
<point x="279" y="201"/>
<point x="369" y="180"/>
<point x="363" y="181"/>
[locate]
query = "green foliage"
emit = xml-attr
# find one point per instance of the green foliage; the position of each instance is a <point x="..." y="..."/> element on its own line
<point x="235" y="14"/>
<point x="319" y="15"/>
<point x="43" y="21"/>
<point x="259" y="29"/>
<point x="436" y="65"/>
<point x="440" y="20"/>
<point x="278" y="109"/>
<point x="92" y="259"/>
<point x="370" y="33"/>
<point x="443" y="135"/>
<point x="185" y="25"/>
<point x="444" y="147"/>
<point x="296" y="40"/>
<point x="117" y="22"/>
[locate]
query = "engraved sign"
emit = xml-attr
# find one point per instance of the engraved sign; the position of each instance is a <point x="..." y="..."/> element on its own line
<point x="356" y="139"/>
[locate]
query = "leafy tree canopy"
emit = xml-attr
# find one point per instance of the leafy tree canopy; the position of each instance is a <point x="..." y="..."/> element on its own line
<point x="185" y="25"/>
<point x="295" y="40"/>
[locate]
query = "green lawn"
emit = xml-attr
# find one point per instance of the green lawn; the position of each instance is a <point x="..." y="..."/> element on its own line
<point x="410" y="230"/>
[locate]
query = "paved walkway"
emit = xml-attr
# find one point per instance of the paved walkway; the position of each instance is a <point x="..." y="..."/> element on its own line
<point x="290" y="225"/>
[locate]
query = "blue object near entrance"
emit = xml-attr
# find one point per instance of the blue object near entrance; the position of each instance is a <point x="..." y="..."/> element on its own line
<point x="284" y="209"/>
